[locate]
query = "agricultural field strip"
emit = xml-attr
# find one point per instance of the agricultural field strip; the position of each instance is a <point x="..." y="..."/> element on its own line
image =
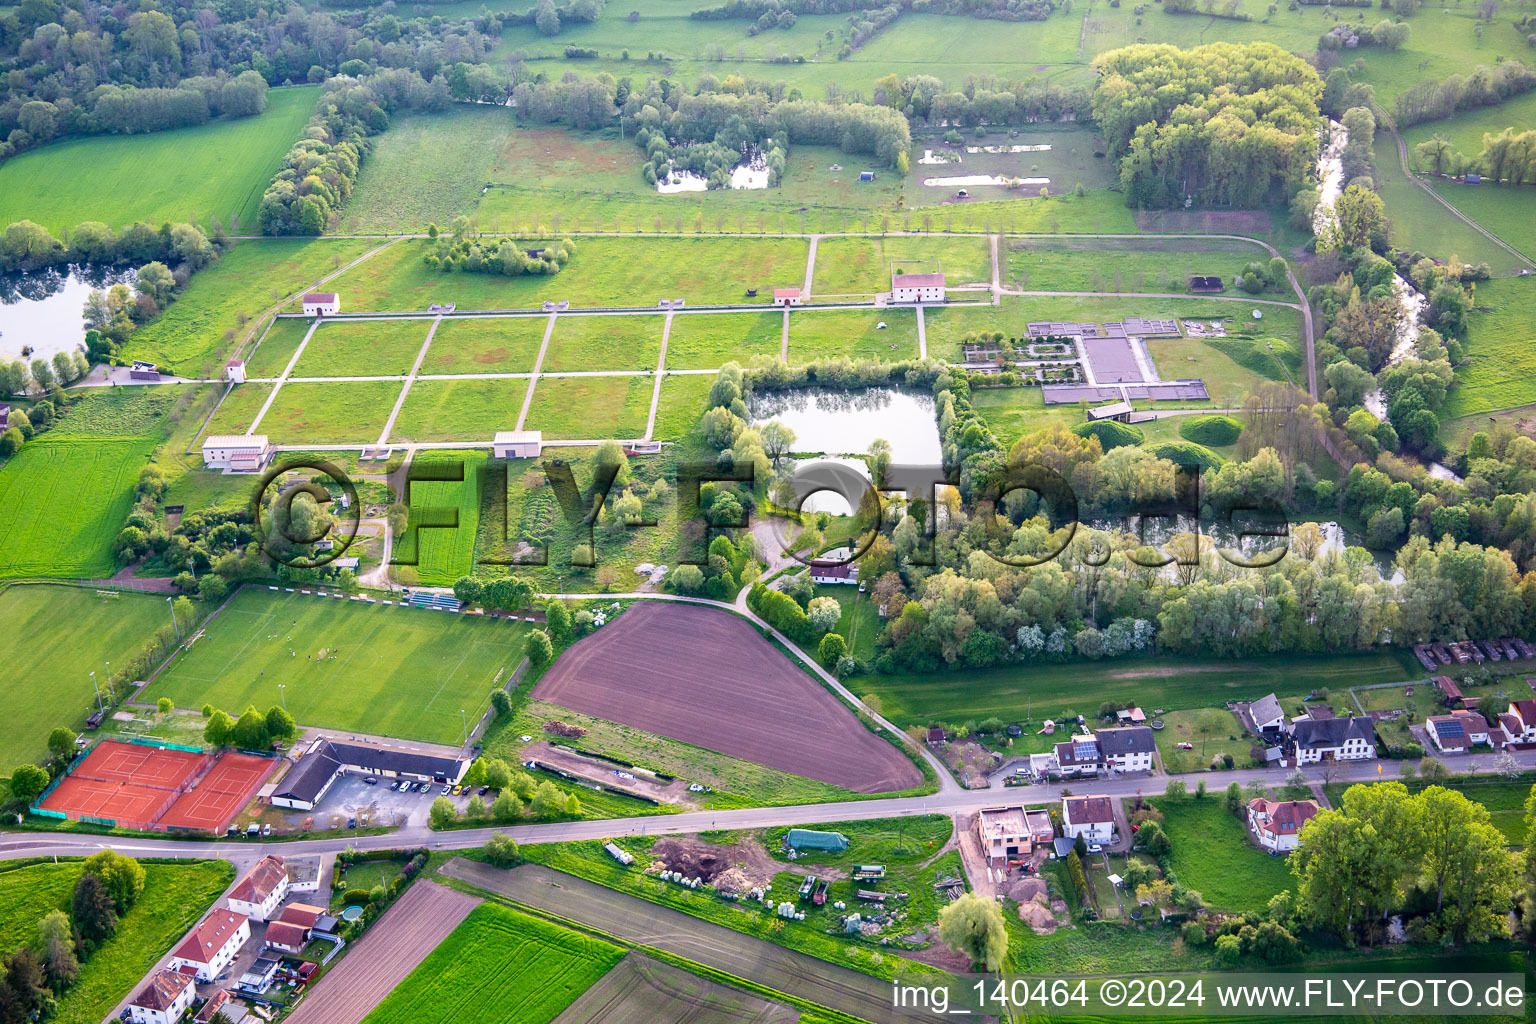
<point x="421" y="354"/>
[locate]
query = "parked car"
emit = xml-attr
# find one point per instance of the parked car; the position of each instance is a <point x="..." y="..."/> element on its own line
<point x="369" y="780"/>
<point x="484" y="790"/>
<point x="446" y="790"/>
<point x="253" y="829"/>
<point x="457" y="790"/>
<point x="266" y="830"/>
<point x="422" y="787"/>
<point x="1095" y="848"/>
<point x="351" y="823"/>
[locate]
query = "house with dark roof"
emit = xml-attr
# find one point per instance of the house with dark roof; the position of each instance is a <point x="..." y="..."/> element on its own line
<point x="1079" y="755"/>
<point x="262" y="890"/>
<point x="328" y="760"/>
<point x="1263" y="715"/>
<point x="1518" y="724"/>
<point x="213" y="944"/>
<point x="1333" y="739"/>
<point x="1276" y="824"/>
<point x="163" y="999"/>
<point x="1457" y="732"/>
<point x="1092" y="817"/>
<point x="1128" y="750"/>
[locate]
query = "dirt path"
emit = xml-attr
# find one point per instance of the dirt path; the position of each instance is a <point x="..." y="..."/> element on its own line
<point x="661" y="368"/>
<point x="389" y="424"/>
<point x="538" y="364"/>
<point x="386" y="953"/>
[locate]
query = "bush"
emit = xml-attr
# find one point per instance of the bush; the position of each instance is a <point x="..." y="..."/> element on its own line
<point x="1111" y="433"/>
<point x="355" y="898"/>
<point x="1187" y="453"/>
<point x="1214" y="431"/>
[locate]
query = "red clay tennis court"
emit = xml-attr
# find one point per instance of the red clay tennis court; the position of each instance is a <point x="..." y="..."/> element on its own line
<point x="148" y="788"/>
<point x="220" y="794"/>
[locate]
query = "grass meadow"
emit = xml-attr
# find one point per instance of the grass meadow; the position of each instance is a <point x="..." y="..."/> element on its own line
<point x="1126" y="265"/>
<point x="1036" y="692"/>
<point x="65" y="499"/>
<point x="51" y="684"/>
<point x="1420" y="223"/>
<point x="499" y="965"/>
<point x="459" y="410"/>
<point x="1013" y="412"/>
<point x="196" y="332"/>
<point x="276" y="347"/>
<point x="1212" y="731"/>
<point x="681" y="404"/>
<point x="500" y="345"/>
<point x="1506" y="211"/>
<point x="863" y="266"/>
<point x="442" y="555"/>
<point x="401" y="672"/>
<point x="605" y="343"/>
<point x="217" y="170"/>
<point x="707" y="341"/>
<point x="591" y="408"/>
<point x="1212" y="854"/>
<point x="315" y="413"/>
<point x="175" y="896"/>
<point x="1500" y="369"/>
<point x="362" y="348"/>
<point x="818" y="334"/>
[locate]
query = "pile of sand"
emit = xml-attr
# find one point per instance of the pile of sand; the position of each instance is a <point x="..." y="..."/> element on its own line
<point x="1037" y="915"/>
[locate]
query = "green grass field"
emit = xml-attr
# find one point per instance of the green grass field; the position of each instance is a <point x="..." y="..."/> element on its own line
<point x="402" y="672"/>
<point x="197" y="331"/>
<point x="459" y="410"/>
<point x="499" y="965"/>
<point x="65" y="499"/>
<point x="707" y="341"/>
<point x="51" y="683"/>
<point x="681" y="405"/>
<point x="1465" y="131"/>
<point x="1418" y="222"/>
<point x="1506" y="211"/>
<point x="863" y="266"/>
<point x="818" y="334"/>
<point x="219" y="169"/>
<point x="602" y="272"/>
<point x="1013" y="412"/>
<point x="429" y="168"/>
<point x="1212" y="854"/>
<point x="1047" y="691"/>
<point x="238" y="409"/>
<point x="1127" y="265"/>
<point x="1500" y="369"/>
<point x="604" y="343"/>
<point x="276" y="348"/>
<point x="948" y="325"/>
<point x="443" y="555"/>
<point x="499" y="345"/>
<point x="362" y="348"/>
<point x="315" y="413"/>
<point x="591" y="408"/>
<point x="1212" y="731"/>
<point x="175" y="896"/>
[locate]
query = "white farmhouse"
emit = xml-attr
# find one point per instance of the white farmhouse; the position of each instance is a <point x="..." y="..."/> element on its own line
<point x="164" y="999"/>
<point x="213" y="945"/>
<point x="917" y="287"/>
<point x="1128" y="750"/>
<point x="321" y="303"/>
<point x="1334" y="739"/>
<point x="236" y="453"/>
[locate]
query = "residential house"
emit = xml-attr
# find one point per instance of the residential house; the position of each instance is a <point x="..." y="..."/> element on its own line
<point x="262" y="891"/>
<point x="1333" y="739"/>
<point x="1079" y="756"/>
<point x="1008" y="832"/>
<point x="917" y="287"/>
<point x="1518" y="724"/>
<point x="1276" y="824"/>
<point x="1263" y="715"/>
<point x="1092" y="817"/>
<point x="835" y="573"/>
<point x="219" y="1002"/>
<point x="213" y="945"/>
<point x="164" y="999"/>
<point x="1458" y="732"/>
<point x="321" y="303"/>
<point x="1128" y="750"/>
<point x="290" y="938"/>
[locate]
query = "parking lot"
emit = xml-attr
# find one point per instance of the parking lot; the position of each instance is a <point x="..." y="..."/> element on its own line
<point x="352" y="802"/>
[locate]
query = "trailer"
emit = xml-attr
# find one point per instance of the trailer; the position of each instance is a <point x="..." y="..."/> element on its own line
<point x="820" y="896"/>
<point x="868" y="872"/>
<point x="808" y="886"/>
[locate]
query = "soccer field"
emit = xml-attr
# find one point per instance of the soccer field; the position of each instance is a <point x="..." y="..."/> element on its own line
<point x="378" y="669"/>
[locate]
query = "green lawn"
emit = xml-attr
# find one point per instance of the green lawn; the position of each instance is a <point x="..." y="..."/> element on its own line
<point x="219" y="169"/>
<point x="605" y="343"/>
<point x="51" y="683"/>
<point x="1013" y="412"/>
<point x="602" y="272"/>
<point x="863" y="266"/>
<point x="402" y="672"/>
<point x="499" y="965"/>
<point x="277" y="347"/>
<point x="591" y="408"/>
<point x="819" y="334"/>
<point x="1226" y="380"/>
<point x="499" y="345"/>
<point x="681" y="404"/>
<point x="459" y="410"/>
<point x="362" y="348"/>
<point x="707" y="341"/>
<point x="202" y="327"/>
<point x="238" y="409"/>
<point x="1500" y="369"/>
<point x="1466" y="129"/>
<point x="442" y="555"/>
<point x="429" y="168"/>
<point x="1212" y="731"/>
<point x="1127" y="265"/>
<point x="175" y="896"/>
<point x="1504" y="798"/>
<point x="316" y="413"/>
<point x="860" y="622"/>
<point x="948" y="325"/>
<point x="1418" y="222"/>
<point x="1048" y="691"/>
<point x="1212" y="854"/>
<point x="1505" y="211"/>
<point x="65" y="499"/>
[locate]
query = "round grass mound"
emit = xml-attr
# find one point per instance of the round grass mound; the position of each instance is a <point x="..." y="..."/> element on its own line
<point x="1187" y="453"/>
<point x="1111" y="433"/>
<point x="1214" y="431"/>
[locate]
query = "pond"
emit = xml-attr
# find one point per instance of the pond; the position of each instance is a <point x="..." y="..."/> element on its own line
<point x="41" y="310"/>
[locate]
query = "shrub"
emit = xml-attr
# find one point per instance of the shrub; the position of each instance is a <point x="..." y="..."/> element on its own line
<point x="1111" y="433"/>
<point x="1187" y="453"/>
<point x="1214" y="431"/>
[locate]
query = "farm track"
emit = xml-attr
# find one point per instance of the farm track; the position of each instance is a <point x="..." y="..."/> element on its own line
<point x="635" y="920"/>
<point x="381" y="959"/>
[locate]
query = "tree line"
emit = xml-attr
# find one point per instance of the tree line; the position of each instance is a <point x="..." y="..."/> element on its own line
<point x="1484" y="87"/>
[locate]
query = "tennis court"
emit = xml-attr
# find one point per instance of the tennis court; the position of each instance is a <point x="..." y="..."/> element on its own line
<point x="219" y="795"/>
<point x="142" y="766"/>
<point x="124" y="804"/>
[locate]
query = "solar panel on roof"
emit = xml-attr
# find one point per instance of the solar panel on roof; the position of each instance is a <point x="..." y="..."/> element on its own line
<point x="1083" y="751"/>
<point x="1450" y="730"/>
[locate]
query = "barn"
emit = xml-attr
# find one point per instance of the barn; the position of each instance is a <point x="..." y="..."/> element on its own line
<point x="321" y="303"/>
<point x="518" y="444"/>
<point x="917" y="287"/>
<point x="234" y="371"/>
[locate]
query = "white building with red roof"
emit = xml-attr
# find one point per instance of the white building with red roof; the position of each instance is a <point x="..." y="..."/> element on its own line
<point x="917" y="287"/>
<point x="262" y="891"/>
<point x="320" y="303"/>
<point x="1276" y="824"/>
<point x="213" y="945"/>
<point x="163" y="999"/>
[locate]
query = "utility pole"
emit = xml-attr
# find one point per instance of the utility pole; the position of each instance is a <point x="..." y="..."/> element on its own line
<point x="109" y="677"/>
<point x="281" y="695"/>
<point x="465" y="722"/>
<point x="98" y="691"/>
<point x="177" y="628"/>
